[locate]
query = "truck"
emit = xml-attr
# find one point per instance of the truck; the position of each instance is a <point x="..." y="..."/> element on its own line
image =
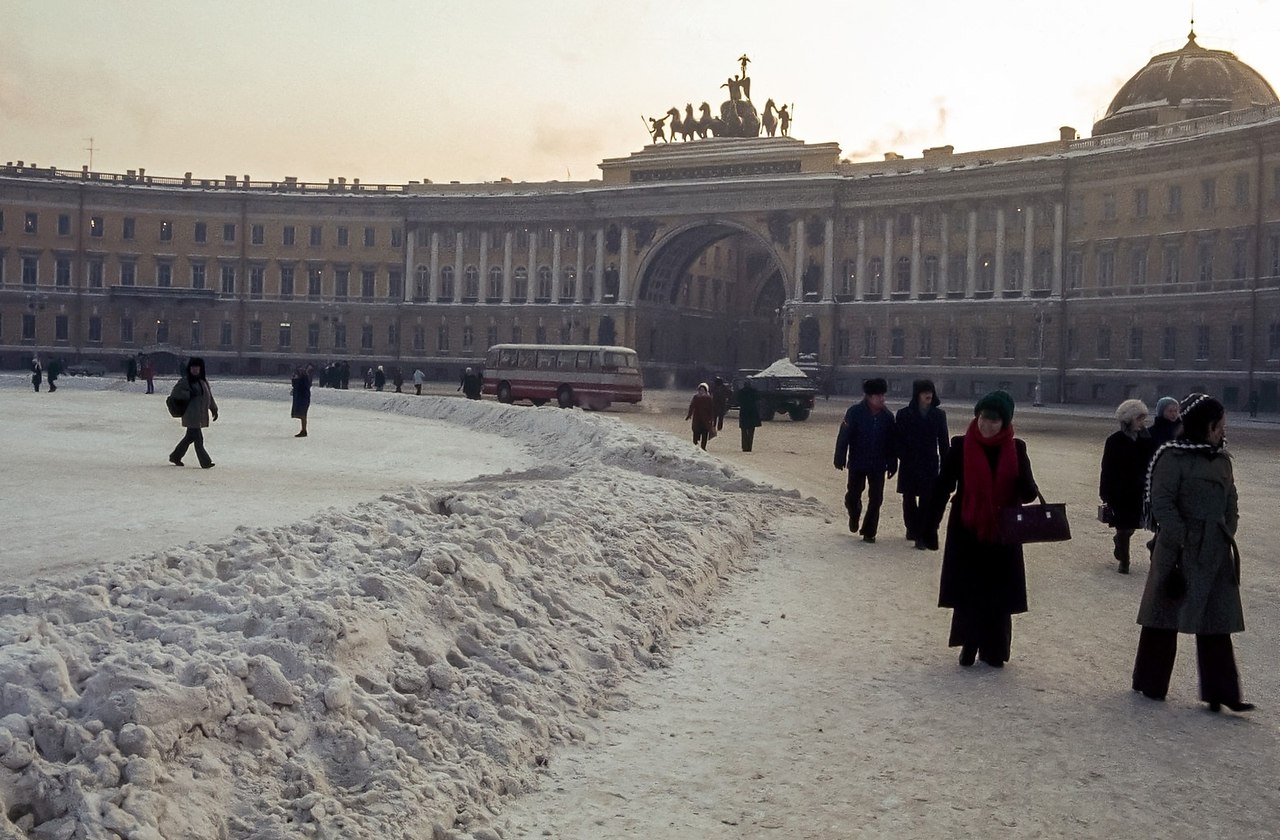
<point x="782" y="389"/>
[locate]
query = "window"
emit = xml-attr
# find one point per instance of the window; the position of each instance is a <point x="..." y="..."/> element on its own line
<point x="28" y="327"/>
<point x="287" y="235"/>
<point x="126" y="329"/>
<point x="953" y="343"/>
<point x="370" y="237"/>
<point x="256" y="276"/>
<point x="228" y="279"/>
<point x="897" y="342"/>
<point x="544" y="283"/>
<point x="1172" y="264"/>
<point x="257" y="235"/>
<point x="491" y="335"/>
<point x="313" y="336"/>
<point x="1237" y="342"/>
<point x="540" y="334"/>
<point x="468" y="338"/>
<point x="341" y="283"/>
<point x="397" y="238"/>
<point x="60" y="328"/>
<point x="162" y="331"/>
<point x="64" y="224"/>
<point x="1202" y="342"/>
<point x="201" y="232"/>
<point x="1104" y="342"/>
<point x="95" y="329"/>
<point x="902" y="276"/>
<point x="980" y="342"/>
<point x="255" y="333"/>
<point x="95" y="273"/>
<point x="1239" y="259"/>
<point x="315" y="282"/>
<point x="470" y="283"/>
<point x="317" y="236"/>
<point x="197" y="335"/>
<point x="869" y="344"/>
<point x="344" y="236"/>
<point x="1174" y="205"/>
<point x="1273" y="340"/>
<point x="1073" y="344"/>
<point x="1140" y="203"/>
<point x="366" y="337"/>
<point x="1135" y="343"/>
<point x="446" y="283"/>
<point x="96" y="227"/>
<point x="1204" y="262"/>
<point x="1013" y="266"/>
<point x="875" y="277"/>
<point x="1138" y="266"/>
<point x="367" y="284"/>
<point x="395" y="285"/>
<point x="1108" y="207"/>
<point x="129" y="228"/>
<point x="925" y="346"/>
<point x="164" y="274"/>
<point x="1242" y="190"/>
<point x="197" y="276"/>
<point x="1208" y="193"/>
<point x="166" y="231"/>
<point x="393" y="336"/>
<point x="1106" y="269"/>
<point x="30" y="271"/>
<point x="495" y="285"/>
<point x="128" y="273"/>
<point x="420" y="338"/>
<point x="228" y="233"/>
<point x="442" y="338"/>
<point x="1010" y="348"/>
<point x="520" y="279"/>
<point x="286" y="282"/>
<point x="422" y="282"/>
<point x="568" y="282"/>
<point x="62" y="272"/>
<point x="225" y="334"/>
<point x="31" y="223"/>
<point x="1169" y="346"/>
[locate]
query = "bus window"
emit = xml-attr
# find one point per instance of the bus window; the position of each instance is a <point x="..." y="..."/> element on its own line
<point x="615" y="361"/>
<point x="507" y="358"/>
<point x="526" y="358"/>
<point x="491" y="359"/>
<point x="546" y="359"/>
<point x="586" y="360"/>
<point x="565" y="362"/>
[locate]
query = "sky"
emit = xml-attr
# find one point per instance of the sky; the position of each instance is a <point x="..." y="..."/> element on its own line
<point x="391" y="91"/>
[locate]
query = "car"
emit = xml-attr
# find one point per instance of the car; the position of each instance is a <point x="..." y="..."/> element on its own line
<point x="92" y="367"/>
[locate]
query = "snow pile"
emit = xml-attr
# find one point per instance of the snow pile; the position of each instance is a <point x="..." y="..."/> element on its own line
<point x="389" y="670"/>
<point x="782" y="367"/>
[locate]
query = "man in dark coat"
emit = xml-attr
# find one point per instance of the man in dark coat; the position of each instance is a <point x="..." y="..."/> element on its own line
<point x="1122" y="481"/>
<point x="866" y="444"/>
<point x="720" y="393"/>
<point x="748" y="413"/>
<point x="922" y="444"/>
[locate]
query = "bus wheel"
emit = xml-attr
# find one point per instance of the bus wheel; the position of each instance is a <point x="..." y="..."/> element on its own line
<point x="799" y="414"/>
<point x="564" y="396"/>
<point x="504" y="392"/>
<point x="539" y="403"/>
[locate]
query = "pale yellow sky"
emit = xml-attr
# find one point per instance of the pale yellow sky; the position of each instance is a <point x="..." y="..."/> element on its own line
<point x="389" y="91"/>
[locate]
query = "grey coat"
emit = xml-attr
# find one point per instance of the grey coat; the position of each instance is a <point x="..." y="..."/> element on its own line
<point x="199" y="397"/>
<point x="1193" y="502"/>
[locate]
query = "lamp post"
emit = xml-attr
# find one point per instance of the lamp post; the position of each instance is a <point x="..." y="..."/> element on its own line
<point x="1041" y="320"/>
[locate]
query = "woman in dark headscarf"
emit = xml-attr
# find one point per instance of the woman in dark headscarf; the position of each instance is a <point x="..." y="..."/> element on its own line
<point x="1194" y="583"/>
<point x="920" y="431"/>
<point x="1165" y="423"/>
<point x="983" y="580"/>
<point x="193" y="392"/>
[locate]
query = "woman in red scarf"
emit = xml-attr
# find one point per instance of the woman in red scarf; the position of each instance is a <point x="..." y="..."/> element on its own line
<point x="983" y="581"/>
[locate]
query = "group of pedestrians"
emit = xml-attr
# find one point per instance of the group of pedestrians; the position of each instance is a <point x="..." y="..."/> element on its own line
<point x="710" y="405"/>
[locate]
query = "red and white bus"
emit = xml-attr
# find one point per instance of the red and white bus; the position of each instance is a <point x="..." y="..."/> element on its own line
<point x="570" y="374"/>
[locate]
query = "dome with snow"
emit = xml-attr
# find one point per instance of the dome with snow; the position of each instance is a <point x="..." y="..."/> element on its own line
<point x="1185" y="84"/>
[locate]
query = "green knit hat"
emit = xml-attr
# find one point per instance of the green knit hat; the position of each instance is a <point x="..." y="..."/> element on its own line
<point x="998" y="402"/>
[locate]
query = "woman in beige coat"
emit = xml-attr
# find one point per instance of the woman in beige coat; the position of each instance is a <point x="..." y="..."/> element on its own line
<point x="1194" y="582"/>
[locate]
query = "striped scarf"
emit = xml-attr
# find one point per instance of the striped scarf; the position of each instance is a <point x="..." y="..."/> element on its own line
<point x="1180" y="443"/>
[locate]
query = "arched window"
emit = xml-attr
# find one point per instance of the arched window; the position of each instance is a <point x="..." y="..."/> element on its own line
<point x="932" y="273"/>
<point x="589" y="283"/>
<point x="986" y="273"/>
<point x="875" y="276"/>
<point x="902" y="276"/>
<point x="446" y="282"/>
<point x="957" y="274"/>
<point x="495" y="283"/>
<point x="568" y="282"/>
<point x="848" y="277"/>
<point x="422" y="282"/>
<point x="1013" y="272"/>
<point x="1043" y="270"/>
<point x="471" y="283"/>
<point x="520" y="279"/>
<point x="544" y="283"/>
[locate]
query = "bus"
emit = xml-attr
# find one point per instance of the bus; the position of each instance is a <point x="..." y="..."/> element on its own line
<point x="571" y="374"/>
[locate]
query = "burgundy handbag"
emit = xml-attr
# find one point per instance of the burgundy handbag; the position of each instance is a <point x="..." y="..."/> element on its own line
<point x="1044" y="522"/>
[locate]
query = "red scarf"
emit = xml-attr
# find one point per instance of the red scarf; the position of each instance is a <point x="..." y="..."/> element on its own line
<point x="985" y="491"/>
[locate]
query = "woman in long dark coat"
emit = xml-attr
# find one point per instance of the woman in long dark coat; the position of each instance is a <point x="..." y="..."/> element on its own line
<point x="922" y="443"/>
<point x="1165" y="426"/>
<point x="702" y="411"/>
<point x="301" y="397"/>
<point x="983" y="581"/>
<point x="1194" y="583"/>
<point x="1123" y="479"/>
<point x="748" y="413"/>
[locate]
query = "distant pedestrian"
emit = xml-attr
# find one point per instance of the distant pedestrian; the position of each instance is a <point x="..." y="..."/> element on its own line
<point x="37" y="373"/>
<point x="1253" y="403"/>
<point x="301" y="397"/>
<point x="149" y="374"/>
<point x="748" y="413"/>
<point x="1194" y="582"/>
<point x="1123" y="478"/>
<point x="922" y="443"/>
<point x="720" y="393"/>
<point x="52" y="373"/>
<point x="344" y="369"/>
<point x="866" y="444"/>
<point x="193" y="393"/>
<point x="131" y="368"/>
<point x="702" y="413"/>
<point x="1166" y="425"/>
<point x="983" y="581"/>
<point x="397" y="378"/>
<point x="471" y="385"/>
<point x="418" y="378"/>
<point x="368" y="379"/>
<point x="379" y="379"/>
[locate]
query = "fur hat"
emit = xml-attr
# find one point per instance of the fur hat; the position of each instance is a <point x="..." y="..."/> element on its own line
<point x="998" y="402"/>
<point x="1130" y="410"/>
<point x="875" y="386"/>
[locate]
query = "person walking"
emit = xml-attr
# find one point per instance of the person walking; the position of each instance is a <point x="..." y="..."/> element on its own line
<point x="149" y="374"/>
<point x="379" y="379"/>
<point x="702" y="411"/>
<point x="865" y="443"/>
<point x="131" y="369"/>
<point x="1123" y="479"/>
<point x="52" y="373"/>
<point x="37" y="373"/>
<point x="471" y="384"/>
<point x="418" y="378"/>
<point x="1165" y="426"/>
<point x="720" y="394"/>
<point x="301" y="397"/>
<point x="397" y="378"/>
<point x="748" y="413"/>
<point x="1194" y="582"/>
<point x="922" y="442"/>
<point x="983" y="581"/>
<point x="193" y="392"/>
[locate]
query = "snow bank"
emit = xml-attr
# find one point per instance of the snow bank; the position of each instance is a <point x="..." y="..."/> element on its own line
<point x="782" y="367"/>
<point x="390" y="670"/>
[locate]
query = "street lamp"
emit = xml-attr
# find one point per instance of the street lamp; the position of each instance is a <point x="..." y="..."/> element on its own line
<point x="1041" y="319"/>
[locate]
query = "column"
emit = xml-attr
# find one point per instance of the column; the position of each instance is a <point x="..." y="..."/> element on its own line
<point x="998" y="283"/>
<point x="860" y="264"/>
<point x="555" y="265"/>
<point x="1058" y="235"/>
<point x="799" y="248"/>
<point x="506" y="267"/>
<point x="945" y="259"/>
<point x="531" y="282"/>
<point x="624" y="267"/>
<point x="483" y="292"/>
<point x="1028" y="247"/>
<point x="410" y="270"/>
<point x="829" y="260"/>
<point x="597" y="293"/>
<point x="433" y="283"/>
<point x="580" y="266"/>
<point x="915" y="256"/>
<point x="887" y="270"/>
<point x="971" y="264"/>
<point x="457" y="266"/>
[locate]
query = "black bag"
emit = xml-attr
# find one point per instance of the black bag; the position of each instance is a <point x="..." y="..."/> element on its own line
<point x="1175" y="584"/>
<point x="176" y="407"/>
<point x="1106" y="515"/>
<point x="1044" y="522"/>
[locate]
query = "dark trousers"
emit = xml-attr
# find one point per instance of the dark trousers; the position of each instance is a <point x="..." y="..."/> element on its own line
<point x="874" y="482"/>
<point x="700" y="438"/>
<point x="915" y="512"/>
<point x="1215" y="658"/>
<point x="417" y="389"/>
<point x="748" y="435"/>
<point x="151" y="386"/>
<point x="193" y="437"/>
<point x="990" y="632"/>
